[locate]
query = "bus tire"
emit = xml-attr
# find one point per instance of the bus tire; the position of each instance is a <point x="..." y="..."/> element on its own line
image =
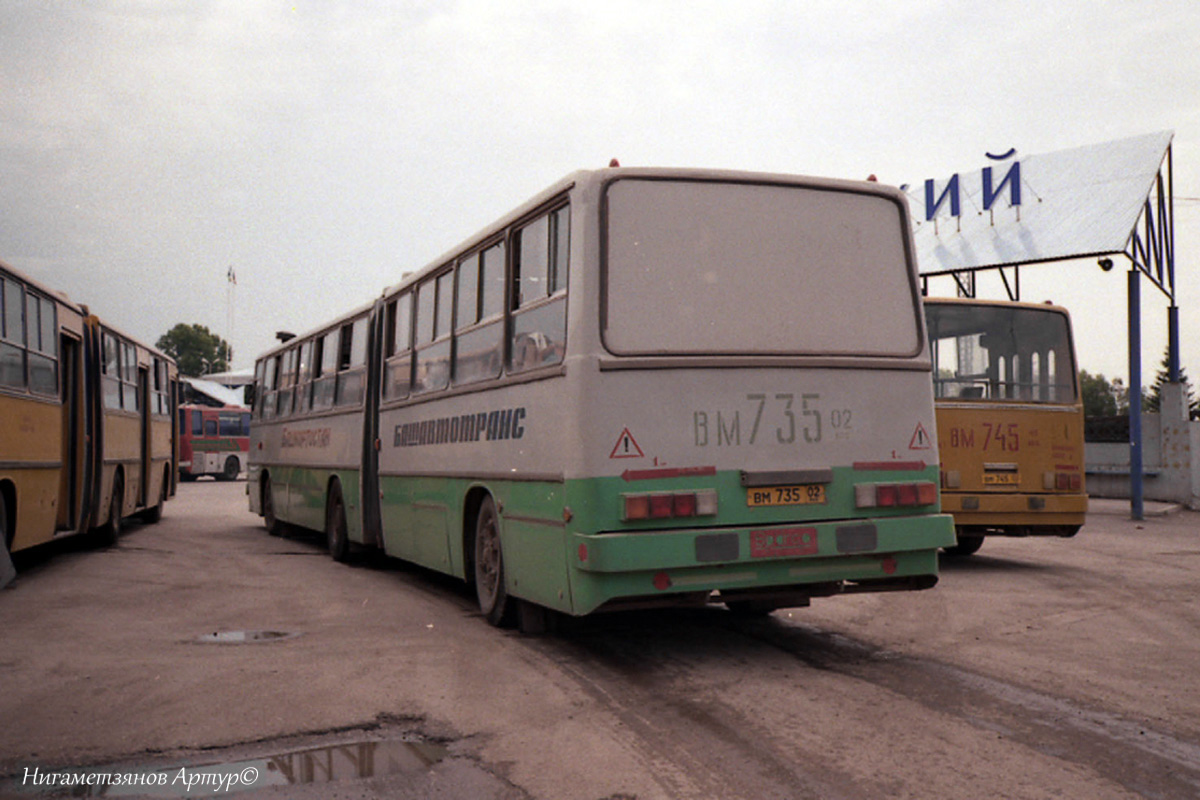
<point x="154" y="513"/>
<point x="8" y="572"/>
<point x="272" y="524"/>
<point x="335" y="525"/>
<point x="110" y="531"/>
<point x="750" y="608"/>
<point x="489" y="565"/>
<point x="968" y="544"/>
<point x="232" y="469"/>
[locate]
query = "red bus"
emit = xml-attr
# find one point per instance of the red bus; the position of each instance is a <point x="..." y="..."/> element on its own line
<point x="213" y="441"/>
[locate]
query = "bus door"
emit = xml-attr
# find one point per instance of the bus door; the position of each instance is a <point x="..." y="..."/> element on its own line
<point x="143" y="390"/>
<point x="369" y="476"/>
<point x="72" y="434"/>
<point x="92" y="392"/>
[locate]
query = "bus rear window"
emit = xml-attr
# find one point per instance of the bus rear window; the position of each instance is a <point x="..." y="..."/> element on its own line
<point x="700" y="268"/>
<point x="983" y="352"/>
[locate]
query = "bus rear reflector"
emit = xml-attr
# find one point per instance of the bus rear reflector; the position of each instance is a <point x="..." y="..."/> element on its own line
<point x="668" y="505"/>
<point x="895" y="495"/>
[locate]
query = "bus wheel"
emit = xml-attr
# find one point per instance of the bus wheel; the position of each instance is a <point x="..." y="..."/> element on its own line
<point x="7" y="571"/>
<point x="232" y="468"/>
<point x="750" y="608"/>
<point x="154" y="513"/>
<point x="111" y="530"/>
<point x="489" y="565"/>
<point x="335" y="525"/>
<point x="272" y="525"/>
<point x="968" y="544"/>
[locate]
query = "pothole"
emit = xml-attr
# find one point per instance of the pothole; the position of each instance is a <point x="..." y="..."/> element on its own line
<point x="244" y="637"/>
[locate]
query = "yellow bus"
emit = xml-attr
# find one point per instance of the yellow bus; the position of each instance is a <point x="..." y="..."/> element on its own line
<point x="1009" y="419"/>
<point x="87" y="433"/>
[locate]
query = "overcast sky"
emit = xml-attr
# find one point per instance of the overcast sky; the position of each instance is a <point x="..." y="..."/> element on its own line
<point x="320" y="149"/>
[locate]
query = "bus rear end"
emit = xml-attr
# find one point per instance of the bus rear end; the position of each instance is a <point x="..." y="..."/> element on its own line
<point x="1010" y="419"/>
<point x="755" y="408"/>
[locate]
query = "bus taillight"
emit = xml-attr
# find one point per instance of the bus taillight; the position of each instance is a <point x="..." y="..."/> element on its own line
<point x="1063" y="481"/>
<point x="668" y="505"/>
<point x="895" y="495"/>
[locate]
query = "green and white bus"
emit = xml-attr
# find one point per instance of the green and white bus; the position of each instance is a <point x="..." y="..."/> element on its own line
<point x="642" y="387"/>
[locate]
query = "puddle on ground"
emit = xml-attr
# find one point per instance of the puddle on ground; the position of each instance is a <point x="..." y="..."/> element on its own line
<point x="312" y="766"/>
<point x="243" y="637"/>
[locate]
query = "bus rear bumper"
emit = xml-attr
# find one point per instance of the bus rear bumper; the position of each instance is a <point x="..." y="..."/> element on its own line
<point x="1015" y="510"/>
<point x="657" y="568"/>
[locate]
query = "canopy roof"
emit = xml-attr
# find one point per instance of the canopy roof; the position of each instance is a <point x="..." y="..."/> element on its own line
<point x="1027" y="209"/>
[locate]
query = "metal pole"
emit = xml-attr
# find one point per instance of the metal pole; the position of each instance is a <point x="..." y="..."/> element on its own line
<point x="1173" y="343"/>
<point x="1136" y="506"/>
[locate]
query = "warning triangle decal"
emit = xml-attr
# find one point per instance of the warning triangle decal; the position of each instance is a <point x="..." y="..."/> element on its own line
<point x="626" y="446"/>
<point x="920" y="439"/>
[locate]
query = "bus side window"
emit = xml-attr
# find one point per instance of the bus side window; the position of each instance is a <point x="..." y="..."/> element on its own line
<point x="435" y="303"/>
<point x="129" y="393"/>
<point x="158" y="403"/>
<point x="479" y="325"/>
<point x="398" y="371"/>
<point x="43" y="345"/>
<point x="324" y="371"/>
<point x="210" y="427"/>
<point x="112" y="371"/>
<point x="197" y="422"/>
<point x="270" y="385"/>
<point x="230" y="423"/>
<point x="304" y="378"/>
<point x="539" y="301"/>
<point x="287" y="384"/>
<point x="12" y="334"/>
<point x="352" y="362"/>
<point x="260" y="383"/>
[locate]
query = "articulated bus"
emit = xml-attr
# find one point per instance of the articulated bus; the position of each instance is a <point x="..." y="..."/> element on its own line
<point x="642" y="387"/>
<point x="213" y="441"/>
<point x="1009" y="417"/>
<point x="87" y="433"/>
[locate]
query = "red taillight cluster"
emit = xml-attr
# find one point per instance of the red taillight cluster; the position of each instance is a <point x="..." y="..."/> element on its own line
<point x="1063" y="481"/>
<point x="668" y="505"/>
<point x="895" y="495"/>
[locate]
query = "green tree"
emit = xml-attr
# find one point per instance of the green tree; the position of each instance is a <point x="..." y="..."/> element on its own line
<point x="1100" y="398"/>
<point x="196" y="349"/>
<point x="1154" y="398"/>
